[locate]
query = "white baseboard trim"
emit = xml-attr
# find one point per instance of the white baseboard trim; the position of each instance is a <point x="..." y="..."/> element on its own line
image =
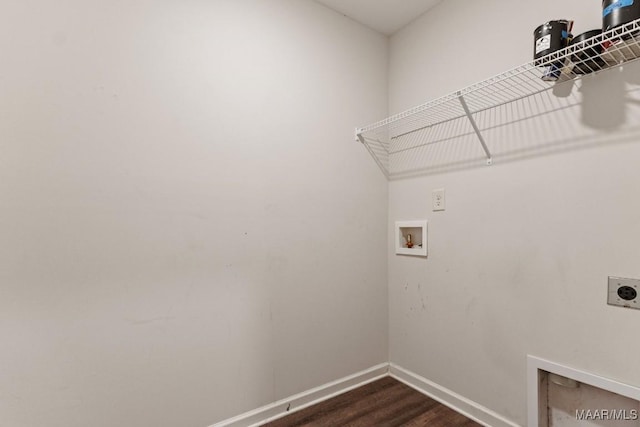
<point x="308" y="398"/>
<point x="466" y="407"/>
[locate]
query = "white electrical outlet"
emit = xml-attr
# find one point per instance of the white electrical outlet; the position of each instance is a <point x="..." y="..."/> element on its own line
<point x="438" y="200"/>
<point x="624" y="292"/>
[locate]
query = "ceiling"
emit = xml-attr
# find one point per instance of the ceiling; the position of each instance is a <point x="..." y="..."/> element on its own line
<point x="384" y="16"/>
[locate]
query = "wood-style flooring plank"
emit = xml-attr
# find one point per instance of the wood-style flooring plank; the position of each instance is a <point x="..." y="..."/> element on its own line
<point x="382" y="403"/>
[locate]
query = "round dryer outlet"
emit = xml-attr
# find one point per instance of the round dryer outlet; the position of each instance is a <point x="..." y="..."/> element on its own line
<point x="624" y="292"/>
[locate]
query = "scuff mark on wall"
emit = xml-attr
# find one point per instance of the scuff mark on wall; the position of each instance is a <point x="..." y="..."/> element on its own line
<point x="140" y="322"/>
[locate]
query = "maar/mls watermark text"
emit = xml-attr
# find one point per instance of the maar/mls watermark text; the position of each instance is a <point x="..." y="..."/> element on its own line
<point x="607" y="414"/>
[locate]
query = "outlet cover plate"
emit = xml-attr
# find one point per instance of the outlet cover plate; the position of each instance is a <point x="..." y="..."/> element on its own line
<point x="622" y="291"/>
<point x="438" y="200"/>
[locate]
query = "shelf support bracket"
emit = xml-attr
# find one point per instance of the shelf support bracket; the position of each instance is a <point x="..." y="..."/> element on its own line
<point x="465" y="107"/>
<point x="360" y="137"/>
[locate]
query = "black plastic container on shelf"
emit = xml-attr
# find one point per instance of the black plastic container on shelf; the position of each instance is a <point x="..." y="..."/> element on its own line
<point x="588" y="60"/>
<point x="619" y="12"/>
<point x="551" y="37"/>
<point x="548" y="38"/>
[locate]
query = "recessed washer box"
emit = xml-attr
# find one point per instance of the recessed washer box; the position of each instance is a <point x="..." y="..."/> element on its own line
<point x="411" y="238"/>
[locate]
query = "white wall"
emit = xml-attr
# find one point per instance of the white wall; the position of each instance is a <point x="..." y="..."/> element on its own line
<point x="518" y="263"/>
<point x="188" y="229"/>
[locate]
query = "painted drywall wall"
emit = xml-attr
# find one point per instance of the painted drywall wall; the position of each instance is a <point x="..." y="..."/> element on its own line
<point x="188" y="229"/>
<point x="518" y="262"/>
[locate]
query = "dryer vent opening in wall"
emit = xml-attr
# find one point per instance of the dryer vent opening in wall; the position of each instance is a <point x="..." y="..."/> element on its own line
<point x="573" y="404"/>
<point x="560" y="396"/>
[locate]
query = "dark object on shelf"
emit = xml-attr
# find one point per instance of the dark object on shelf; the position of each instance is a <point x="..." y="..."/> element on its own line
<point x="588" y="59"/>
<point x="619" y="12"/>
<point x="552" y="72"/>
<point x="551" y="37"/>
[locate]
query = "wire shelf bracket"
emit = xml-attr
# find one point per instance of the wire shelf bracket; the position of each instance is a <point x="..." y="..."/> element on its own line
<point x="465" y="107"/>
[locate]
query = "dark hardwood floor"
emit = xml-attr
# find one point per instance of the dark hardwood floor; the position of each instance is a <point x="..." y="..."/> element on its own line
<point x="382" y="403"/>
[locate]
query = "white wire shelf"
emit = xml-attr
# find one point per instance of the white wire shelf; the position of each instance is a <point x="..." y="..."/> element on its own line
<point x="392" y="140"/>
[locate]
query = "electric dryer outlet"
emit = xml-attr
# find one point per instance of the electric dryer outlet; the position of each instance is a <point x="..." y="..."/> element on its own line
<point x="624" y="292"/>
